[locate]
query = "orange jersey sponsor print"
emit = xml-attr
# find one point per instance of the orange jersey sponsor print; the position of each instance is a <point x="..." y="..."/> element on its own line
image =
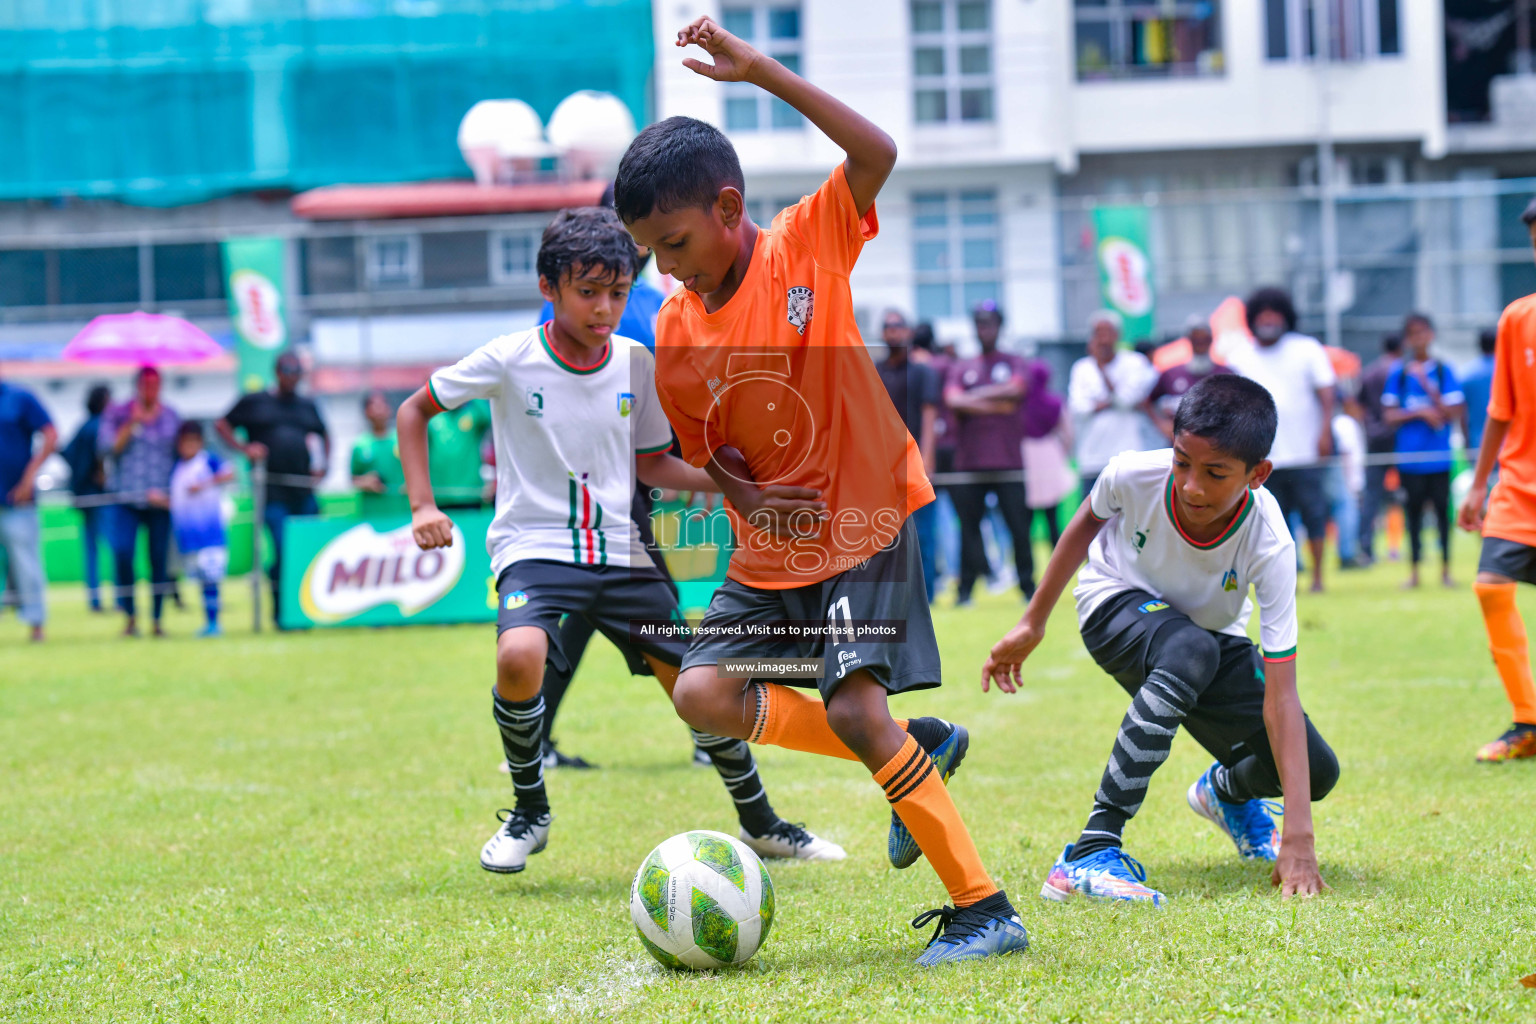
<point x="781" y="374"/>
<point x="1512" y="506"/>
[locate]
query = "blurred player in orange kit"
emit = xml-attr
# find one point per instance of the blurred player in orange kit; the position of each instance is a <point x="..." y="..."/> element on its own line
<point x="1508" y="525"/>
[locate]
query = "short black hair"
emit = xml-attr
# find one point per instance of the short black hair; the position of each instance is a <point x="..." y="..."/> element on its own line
<point x="1487" y="340"/>
<point x="1276" y="299"/>
<point x="1233" y="413"/>
<point x="585" y="239"/>
<point x="922" y="336"/>
<point x="97" y="399"/>
<point x="189" y="428"/>
<point x="1417" y="318"/>
<point x="368" y="396"/>
<point x="1392" y="344"/>
<point x="672" y="165"/>
<point x="1529" y="216"/>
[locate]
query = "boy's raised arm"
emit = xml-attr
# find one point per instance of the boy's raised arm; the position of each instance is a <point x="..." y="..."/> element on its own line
<point x="871" y="153"/>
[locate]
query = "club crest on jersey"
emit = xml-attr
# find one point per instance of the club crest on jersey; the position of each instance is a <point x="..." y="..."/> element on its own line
<point x="516" y="599"/>
<point x="626" y="403"/>
<point x="1229" y="580"/>
<point x="535" y="399"/>
<point x="1152" y="606"/>
<point x="801" y="303"/>
<point x="1141" y="539"/>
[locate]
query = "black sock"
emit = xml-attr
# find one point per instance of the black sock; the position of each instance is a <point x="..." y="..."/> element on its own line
<point x="519" y="722"/>
<point x="929" y="732"/>
<point x="733" y="760"/>
<point x="1145" y="737"/>
<point x="997" y="905"/>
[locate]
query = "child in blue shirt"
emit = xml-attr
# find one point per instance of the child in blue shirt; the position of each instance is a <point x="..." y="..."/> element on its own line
<point x="197" y="515"/>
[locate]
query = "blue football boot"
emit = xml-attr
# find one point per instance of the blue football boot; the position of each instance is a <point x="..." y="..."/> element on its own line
<point x="989" y="928"/>
<point x="1108" y="874"/>
<point x="1250" y="826"/>
<point x="899" y="845"/>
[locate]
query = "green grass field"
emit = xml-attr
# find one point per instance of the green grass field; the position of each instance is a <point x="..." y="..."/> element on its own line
<point x="286" y="828"/>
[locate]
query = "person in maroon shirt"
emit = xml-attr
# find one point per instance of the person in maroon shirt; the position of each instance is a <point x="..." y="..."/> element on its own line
<point x="1168" y="392"/>
<point x="984" y="392"/>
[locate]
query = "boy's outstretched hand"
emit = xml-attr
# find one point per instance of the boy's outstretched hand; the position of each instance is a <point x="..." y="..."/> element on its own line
<point x="1295" y="870"/>
<point x="733" y="57"/>
<point x="1008" y="656"/>
<point x="431" y="528"/>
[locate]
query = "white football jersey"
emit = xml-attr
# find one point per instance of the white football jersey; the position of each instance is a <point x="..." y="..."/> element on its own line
<point x="566" y="438"/>
<point x="1142" y="547"/>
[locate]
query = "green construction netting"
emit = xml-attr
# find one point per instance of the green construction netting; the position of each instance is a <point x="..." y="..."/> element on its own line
<point x="163" y="102"/>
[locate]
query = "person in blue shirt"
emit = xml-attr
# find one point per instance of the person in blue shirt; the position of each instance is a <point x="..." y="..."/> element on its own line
<point x="22" y="419"/>
<point x="1422" y="399"/>
<point x="88" y="481"/>
<point x="1477" y="385"/>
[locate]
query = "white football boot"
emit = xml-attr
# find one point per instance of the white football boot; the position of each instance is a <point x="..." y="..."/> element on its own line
<point x="519" y="838"/>
<point x="792" y="842"/>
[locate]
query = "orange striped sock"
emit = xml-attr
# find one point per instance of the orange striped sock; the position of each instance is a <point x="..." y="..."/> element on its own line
<point x="918" y="796"/>
<point x="1507" y="641"/>
<point x="794" y="720"/>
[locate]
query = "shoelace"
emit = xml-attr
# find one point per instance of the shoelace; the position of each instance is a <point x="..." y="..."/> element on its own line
<point x="516" y="823"/>
<point x="792" y="832"/>
<point x="955" y="924"/>
<point x="1256" y="830"/>
<point x="1131" y="863"/>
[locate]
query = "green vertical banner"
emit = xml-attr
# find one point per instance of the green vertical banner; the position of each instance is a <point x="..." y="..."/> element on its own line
<point x="1125" y="267"/>
<point x="253" y="275"/>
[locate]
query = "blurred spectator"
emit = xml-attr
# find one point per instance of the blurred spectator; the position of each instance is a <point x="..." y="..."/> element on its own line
<point x="22" y="418"/>
<point x="1104" y="393"/>
<point x="1344" y="500"/>
<point x="197" y="516"/>
<point x="1295" y="370"/>
<point x="138" y="439"/>
<point x="1477" y="385"/>
<point x="917" y="393"/>
<point x="984" y="392"/>
<point x="454" y="442"/>
<point x="278" y="425"/>
<point x="921" y="346"/>
<point x="1048" y="476"/>
<point x="88" y="480"/>
<point x="1422" y="399"/>
<point x="1380" y="440"/>
<point x="1349" y="477"/>
<point x="376" y="469"/>
<point x="1171" y="384"/>
<point x="940" y="359"/>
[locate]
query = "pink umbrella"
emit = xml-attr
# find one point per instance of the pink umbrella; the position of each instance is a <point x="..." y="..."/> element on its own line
<point x="141" y="339"/>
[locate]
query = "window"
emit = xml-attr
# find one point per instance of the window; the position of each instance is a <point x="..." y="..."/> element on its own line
<point x="99" y="276"/>
<point x="185" y="273"/>
<point x="1145" y="39"/>
<point x="956" y="255"/>
<point x="514" y="257"/>
<point x="454" y="259"/>
<point x="951" y="60"/>
<point x="775" y="30"/>
<point x="393" y="261"/>
<point x="23" y="278"/>
<point x="330" y="266"/>
<point x="1357" y="29"/>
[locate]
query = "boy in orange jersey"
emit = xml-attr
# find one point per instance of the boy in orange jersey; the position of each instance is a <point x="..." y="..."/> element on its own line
<point x="1509" y="524"/>
<point x="769" y="387"/>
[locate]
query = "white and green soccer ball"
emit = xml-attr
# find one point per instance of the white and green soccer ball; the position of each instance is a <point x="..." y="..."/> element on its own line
<point x="702" y="900"/>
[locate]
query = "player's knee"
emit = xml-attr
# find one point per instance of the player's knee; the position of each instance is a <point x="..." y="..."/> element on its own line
<point x="851" y="722"/>
<point x="519" y="667"/>
<point x="1193" y="655"/>
<point x="691" y="696"/>
<point x="1325" y="771"/>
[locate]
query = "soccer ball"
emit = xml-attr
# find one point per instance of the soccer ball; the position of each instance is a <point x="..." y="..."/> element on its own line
<point x="702" y="900"/>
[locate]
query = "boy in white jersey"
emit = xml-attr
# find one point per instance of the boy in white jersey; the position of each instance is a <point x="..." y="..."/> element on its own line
<point x="575" y="422"/>
<point x="1174" y="539"/>
<point x="197" y="516"/>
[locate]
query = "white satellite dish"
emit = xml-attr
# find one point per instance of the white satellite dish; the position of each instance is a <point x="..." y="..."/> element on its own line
<point x="502" y="140"/>
<point x="591" y="130"/>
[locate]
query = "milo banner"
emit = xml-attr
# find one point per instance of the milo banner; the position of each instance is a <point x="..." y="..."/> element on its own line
<point x="346" y="572"/>
<point x="1125" y="267"/>
<point x="253" y="275"/>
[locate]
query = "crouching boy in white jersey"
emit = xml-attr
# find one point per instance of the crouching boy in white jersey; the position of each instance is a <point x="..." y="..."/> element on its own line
<point x="575" y="421"/>
<point x="1174" y="539"/>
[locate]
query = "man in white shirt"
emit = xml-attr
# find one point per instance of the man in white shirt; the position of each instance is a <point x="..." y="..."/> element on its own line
<point x="1104" y="393"/>
<point x="1174" y="540"/>
<point x="1295" y="370"/>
